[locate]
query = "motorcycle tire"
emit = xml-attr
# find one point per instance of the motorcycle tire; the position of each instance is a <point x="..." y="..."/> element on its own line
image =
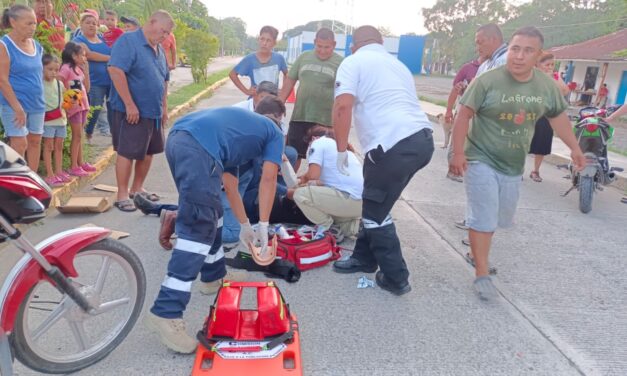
<point x="586" y="189"/>
<point x="24" y="345"/>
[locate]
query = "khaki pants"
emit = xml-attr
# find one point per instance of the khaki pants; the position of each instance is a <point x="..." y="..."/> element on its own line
<point x="326" y="206"/>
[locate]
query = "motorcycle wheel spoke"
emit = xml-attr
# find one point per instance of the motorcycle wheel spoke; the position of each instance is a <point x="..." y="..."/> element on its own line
<point x="52" y="319"/>
<point x="102" y="274"/>
<point x="79" y="334"/>
<point x="109" y="306"/>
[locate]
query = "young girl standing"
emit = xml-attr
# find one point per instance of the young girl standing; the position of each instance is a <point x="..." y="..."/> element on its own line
<point x="74" y="74"/>
<point x="55" y="123"/>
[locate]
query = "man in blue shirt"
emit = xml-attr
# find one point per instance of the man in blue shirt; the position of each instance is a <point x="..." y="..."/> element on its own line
<point x="138" y="105"/>
<point x="263" y="65"/>
<point x="204" y="150"/>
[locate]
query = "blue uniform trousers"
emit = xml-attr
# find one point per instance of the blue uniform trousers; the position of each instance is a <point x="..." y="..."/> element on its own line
<point x="198" y="248"/>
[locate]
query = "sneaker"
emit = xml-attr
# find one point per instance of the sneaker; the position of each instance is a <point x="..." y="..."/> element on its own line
<point x="461" y="225"/>
<point x="65" y="177"/>
<point x="167" y="228"/>
<point x="337" y="233"/>
<point x="210" y="288"/>
<point x="172" y="333"/>
<point x="88" y="167"/>
<point x="456" y="178"/>
<point x="54" y="181"/>
<point x="485" y="288"/>
<point x="105" y="134"/>
<point x="78" y="171"/>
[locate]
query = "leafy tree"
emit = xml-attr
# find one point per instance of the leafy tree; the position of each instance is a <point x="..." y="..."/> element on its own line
<point x="385" y="31"/>
<point x="314" y="26"/>
<point x="200" y="47"/>
<point x="453" y="23"/>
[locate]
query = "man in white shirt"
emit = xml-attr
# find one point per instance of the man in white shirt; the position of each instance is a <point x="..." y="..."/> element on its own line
<point x="396" y="137"/>
<point x="491" y="47"/>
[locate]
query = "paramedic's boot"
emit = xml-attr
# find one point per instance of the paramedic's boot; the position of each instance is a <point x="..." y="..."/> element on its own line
<point x="168" y="218"/>
<point x="386" y="247"/>
<point x="210" y="288"/>
<point x="355" y="264"/>
<point x="172" y="333"/>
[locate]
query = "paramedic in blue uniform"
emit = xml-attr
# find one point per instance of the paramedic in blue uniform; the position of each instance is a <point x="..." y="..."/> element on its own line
<point x="396" y="140"/>
<point x="203" y="150"/>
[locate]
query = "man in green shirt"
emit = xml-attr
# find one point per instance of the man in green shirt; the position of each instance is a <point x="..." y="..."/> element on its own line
<point x="314" y="99"/>
<point x="504" y="105"/>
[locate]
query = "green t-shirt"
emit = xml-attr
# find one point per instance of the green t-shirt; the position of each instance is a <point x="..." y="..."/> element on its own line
<point x="53" y="100"/>
<point x="506" y="112"/>
<point x="314" y="98"/>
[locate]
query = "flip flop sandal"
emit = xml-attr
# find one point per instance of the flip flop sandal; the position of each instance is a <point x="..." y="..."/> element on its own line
<point x="535" y="176"/>
<point x="125" y="205"/>
<point x="491" y="270"/>
<point x="266" y="258"/>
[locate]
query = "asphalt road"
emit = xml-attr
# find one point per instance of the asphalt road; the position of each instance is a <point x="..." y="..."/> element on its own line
<point x="562" y="309"/>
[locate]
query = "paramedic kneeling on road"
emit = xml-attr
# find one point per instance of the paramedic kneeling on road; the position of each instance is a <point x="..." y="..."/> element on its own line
<point x="203" y="150"/>
<point x="329" y="197"/>
<point x="397" y="140"/>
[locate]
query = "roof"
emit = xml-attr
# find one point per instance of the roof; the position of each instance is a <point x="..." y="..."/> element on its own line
<point x="601" y="48"/>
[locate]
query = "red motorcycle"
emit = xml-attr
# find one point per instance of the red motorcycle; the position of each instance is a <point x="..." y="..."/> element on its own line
<point x="71" y="299"/>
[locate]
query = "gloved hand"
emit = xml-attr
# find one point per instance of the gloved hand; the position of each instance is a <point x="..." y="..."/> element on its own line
<point x="342" y="162"/>
<point x="261" y="237"/>
<point x="246" y="233"/>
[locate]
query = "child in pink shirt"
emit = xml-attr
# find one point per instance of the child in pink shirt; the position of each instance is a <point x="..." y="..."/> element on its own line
<point x="74" y="74"/>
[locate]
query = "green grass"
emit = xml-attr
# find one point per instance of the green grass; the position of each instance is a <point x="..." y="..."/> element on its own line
<point x="439" y="102"/>
<point x="617" y="150"/>
<point x="186" y="92"/>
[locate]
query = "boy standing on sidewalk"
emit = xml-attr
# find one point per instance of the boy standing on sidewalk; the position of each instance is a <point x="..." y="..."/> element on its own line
<point x="263" y="65"/>
<point x="504" y="104"/>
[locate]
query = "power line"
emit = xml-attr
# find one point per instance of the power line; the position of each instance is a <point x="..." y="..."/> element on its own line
<point x="577" y="24"/>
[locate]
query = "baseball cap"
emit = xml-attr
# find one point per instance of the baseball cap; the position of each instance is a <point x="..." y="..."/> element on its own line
<point x="92" y="12"/>
<point x="268" y="87"/>
<point x="129" y="19"/>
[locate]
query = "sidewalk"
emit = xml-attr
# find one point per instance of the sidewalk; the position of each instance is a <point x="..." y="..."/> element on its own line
<point x="560" y="152"/>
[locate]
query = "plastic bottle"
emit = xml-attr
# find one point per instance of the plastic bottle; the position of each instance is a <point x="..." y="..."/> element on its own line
<point x="282" y="232"/>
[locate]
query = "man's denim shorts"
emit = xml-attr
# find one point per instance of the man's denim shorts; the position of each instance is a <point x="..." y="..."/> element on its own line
<point x="491" y="196"/>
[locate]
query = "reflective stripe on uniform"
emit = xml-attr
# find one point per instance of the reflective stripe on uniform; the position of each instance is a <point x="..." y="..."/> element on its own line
<point x="369" y="223"/>
<point x="220" y="222"/>
<point x="177" y="284"/>
<point x="215" y="257"/>
<point x="192" y="247"/>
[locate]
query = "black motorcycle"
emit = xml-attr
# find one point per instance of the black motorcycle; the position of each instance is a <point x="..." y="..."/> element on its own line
<point x="593" y="135"/>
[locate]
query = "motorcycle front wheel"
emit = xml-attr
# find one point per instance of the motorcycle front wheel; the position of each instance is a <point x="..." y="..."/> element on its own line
<point x="53" y="335"/>
<point x="586" y="189"/>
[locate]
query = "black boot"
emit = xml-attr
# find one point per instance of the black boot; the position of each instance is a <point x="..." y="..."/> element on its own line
<point x="362" y="259"/>
<point x="386" y="248"/>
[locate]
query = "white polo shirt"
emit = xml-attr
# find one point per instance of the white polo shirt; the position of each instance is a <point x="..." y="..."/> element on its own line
<point x="386" y="106"/>
<point x="323" y="152"/>
<point x="246" y="105"/>
<point x="250" y="106"/>
<point x="498" y="58"/>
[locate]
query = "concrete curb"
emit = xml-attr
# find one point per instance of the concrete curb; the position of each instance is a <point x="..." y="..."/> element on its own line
<point x="560" y="159"/>
<point x="108" y="155"/>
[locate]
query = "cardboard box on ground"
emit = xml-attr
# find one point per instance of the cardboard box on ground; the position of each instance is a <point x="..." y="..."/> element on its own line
<point x="91" y="202"/>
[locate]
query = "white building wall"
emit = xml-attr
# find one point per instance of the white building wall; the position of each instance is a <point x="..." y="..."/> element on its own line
<point x="612" y="78"/>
